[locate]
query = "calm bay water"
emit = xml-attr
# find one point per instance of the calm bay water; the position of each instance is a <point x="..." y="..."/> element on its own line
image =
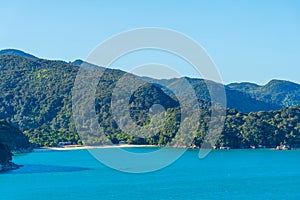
<point x="234" y="174"/>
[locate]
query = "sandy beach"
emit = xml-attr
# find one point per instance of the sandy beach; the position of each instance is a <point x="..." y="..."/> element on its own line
<point x="78" y="147"/>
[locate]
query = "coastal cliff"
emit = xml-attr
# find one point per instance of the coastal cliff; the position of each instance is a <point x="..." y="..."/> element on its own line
<point x="5" y="154"/>
<point x="11" y="139"/>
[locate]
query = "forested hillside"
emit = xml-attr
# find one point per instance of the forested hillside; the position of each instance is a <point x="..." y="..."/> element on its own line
<point x="278" y="92"/>
<point x="35" y="96"/>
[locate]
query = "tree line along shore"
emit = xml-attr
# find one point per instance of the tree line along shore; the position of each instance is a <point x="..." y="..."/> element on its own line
<point x="36" y="109"/>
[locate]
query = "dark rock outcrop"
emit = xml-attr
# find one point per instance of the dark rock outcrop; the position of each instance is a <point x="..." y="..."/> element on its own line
<point x="10" y="139"/>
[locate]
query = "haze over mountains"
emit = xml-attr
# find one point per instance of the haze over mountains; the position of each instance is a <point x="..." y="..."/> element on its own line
<point x="35" y="96"/>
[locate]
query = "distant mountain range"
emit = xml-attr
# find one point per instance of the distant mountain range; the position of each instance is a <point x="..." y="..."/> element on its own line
<point x="245" y="97"/>
<point x="35" y="96"/>
<point x="276" y="92"/>
<point x="236" y="98"/>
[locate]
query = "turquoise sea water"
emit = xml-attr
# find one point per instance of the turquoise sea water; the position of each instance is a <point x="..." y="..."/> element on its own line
<point x="234" y="174"/>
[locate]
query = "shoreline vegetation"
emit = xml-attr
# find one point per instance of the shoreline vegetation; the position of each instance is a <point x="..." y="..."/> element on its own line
<point x="36" y="110"/>
<point x="38" y="101"/>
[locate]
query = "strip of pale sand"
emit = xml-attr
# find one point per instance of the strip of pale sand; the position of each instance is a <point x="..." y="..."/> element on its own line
<point x="78" y="147"/>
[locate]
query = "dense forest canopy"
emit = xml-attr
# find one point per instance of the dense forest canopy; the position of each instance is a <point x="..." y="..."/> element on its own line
<point x="36" y="97"/>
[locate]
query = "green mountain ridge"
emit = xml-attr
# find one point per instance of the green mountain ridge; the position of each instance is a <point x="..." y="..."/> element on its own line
<point x="35" y="96"/>
<point x="236" y="99"/>
<point x="15" y="52"/>
<point x="280" y="92"/>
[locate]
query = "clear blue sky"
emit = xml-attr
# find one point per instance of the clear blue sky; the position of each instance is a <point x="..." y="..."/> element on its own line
<point x="248" y="40"/>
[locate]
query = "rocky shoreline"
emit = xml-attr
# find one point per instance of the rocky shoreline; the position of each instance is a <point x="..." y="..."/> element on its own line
<point x="6" y="163"/>
<point x="9" y="166"/>
<point x="12" y="141"/>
